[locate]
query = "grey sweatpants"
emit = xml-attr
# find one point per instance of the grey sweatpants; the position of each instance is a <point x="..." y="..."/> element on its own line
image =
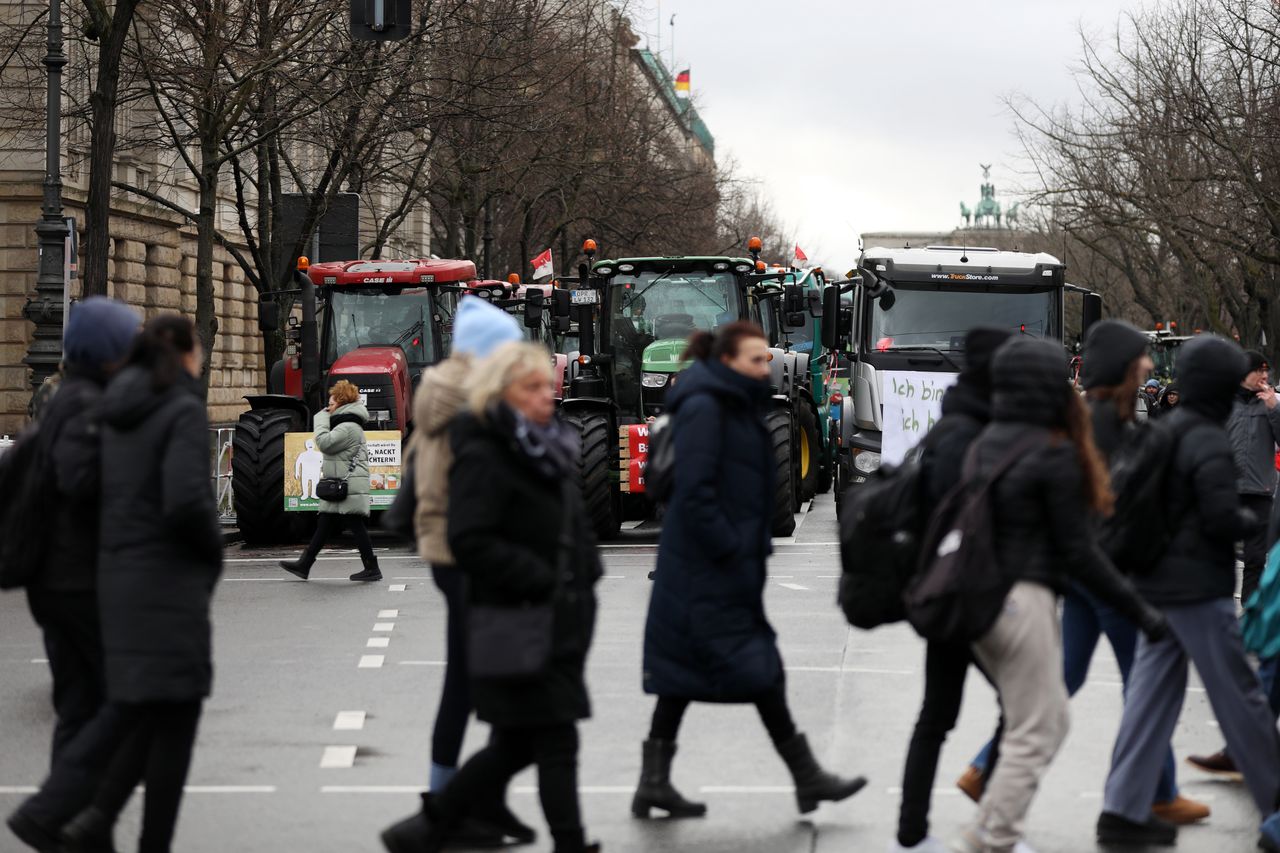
<point x="1022" y="653"/>
<point x="1209" y="634"/>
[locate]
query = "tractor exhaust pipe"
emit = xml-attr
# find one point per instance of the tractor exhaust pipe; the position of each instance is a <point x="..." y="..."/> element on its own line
<point x="310" y="355"/>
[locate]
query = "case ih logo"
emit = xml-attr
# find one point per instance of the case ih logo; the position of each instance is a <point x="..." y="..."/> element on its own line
<point x="370" y="390"/>
<point x="376" y="279"/>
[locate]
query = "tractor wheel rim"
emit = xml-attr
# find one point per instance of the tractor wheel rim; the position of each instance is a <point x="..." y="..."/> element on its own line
<point x="804" y="453"/>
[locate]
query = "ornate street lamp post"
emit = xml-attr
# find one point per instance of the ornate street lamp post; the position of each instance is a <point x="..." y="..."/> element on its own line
<point x="45" y="310"/>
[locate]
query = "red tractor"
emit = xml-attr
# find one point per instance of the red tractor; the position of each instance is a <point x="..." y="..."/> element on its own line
<point x="377" y="324"/>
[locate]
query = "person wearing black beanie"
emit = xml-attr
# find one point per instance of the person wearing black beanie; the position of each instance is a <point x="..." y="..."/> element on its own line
<point x="1193" y="584"/>
<point x="966" y="409"/>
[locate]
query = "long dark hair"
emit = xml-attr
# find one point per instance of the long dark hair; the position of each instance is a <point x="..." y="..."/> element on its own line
<point x="164" y="340"/>
<point x="721" y="343"/>
<point x="1097" y="479"/>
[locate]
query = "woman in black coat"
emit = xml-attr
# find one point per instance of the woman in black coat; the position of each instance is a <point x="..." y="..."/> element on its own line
<point x="519" y="533"/>
<point x="160" y="555"/>
<point x="707" y="637"/>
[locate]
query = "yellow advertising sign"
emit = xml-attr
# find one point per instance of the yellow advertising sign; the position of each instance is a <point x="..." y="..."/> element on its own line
<point x="303" y="463"/>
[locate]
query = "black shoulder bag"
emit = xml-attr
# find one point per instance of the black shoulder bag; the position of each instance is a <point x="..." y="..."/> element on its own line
<point x="514" y="642"/>
<point x="335" y="489"/>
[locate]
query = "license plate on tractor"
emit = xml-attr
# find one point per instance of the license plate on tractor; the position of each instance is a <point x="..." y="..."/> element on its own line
<point x="584" y="297"/>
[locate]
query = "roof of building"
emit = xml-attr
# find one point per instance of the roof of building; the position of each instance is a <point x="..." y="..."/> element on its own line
<point x="682" y="107"/>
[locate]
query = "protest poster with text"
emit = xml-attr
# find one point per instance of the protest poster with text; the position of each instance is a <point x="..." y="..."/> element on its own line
<point x="912" y="405"/>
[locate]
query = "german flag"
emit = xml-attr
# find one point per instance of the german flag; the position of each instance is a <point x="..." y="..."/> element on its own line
<point x="682" y="83"/>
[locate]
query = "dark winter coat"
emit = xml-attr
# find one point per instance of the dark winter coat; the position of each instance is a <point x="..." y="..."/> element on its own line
<point x="1255" y="431"/>
<point x="160" y="551"/>
<point x="707" y="637"/>
<point x="966" y="409"/>
<point x="1043" y="528"/>
<point x="73" y="418"/>
<point x="1109" y="429"/>
<point x="504" y="527"/>
<point x="1204" y="505"/>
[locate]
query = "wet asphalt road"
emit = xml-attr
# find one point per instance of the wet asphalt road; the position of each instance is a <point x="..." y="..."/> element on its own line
<point x="318" y="731"/>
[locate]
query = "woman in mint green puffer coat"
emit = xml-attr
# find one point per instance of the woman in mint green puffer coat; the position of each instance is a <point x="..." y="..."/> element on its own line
<point x="339" y="435"/>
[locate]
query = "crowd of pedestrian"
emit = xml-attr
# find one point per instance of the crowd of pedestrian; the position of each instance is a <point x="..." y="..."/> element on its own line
<point x="124" y="609"/>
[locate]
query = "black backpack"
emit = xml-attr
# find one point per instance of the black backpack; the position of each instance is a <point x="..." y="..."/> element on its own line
<point x="960" y="588"/>
<point x="659" y="470"/>
<point x="1138" y="533"/>
<point x="880" y="531"/>
<point x="26" y="482"/>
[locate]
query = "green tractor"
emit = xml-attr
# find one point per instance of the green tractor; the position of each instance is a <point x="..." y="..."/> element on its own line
<point x="634" y="317"/>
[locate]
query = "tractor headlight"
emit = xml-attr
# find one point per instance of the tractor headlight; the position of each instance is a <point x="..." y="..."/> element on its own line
<point x="866" y="461"/>
<point x="654" y="380"/>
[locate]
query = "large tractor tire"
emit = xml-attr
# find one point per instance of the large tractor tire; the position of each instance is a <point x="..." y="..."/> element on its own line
<point x="809" y="451"/>
<point x="257" y="468"/>
<point x="778" y="424"/>
<point x="595" y="472"/>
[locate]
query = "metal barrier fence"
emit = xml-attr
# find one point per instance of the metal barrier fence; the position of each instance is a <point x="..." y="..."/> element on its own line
<point x="222" y="450"/>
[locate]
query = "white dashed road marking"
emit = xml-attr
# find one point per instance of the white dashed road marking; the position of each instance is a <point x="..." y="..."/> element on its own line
<point x="388" y="614"/>
<point x="794" y="586"/>
<point x="337" y="757"/>
<point x="371" y="661"/>
<point x="398" y="587"/>
<point x="349" y="721"/>
<point x="378" y="643"/>
<point x="384" y="627"/>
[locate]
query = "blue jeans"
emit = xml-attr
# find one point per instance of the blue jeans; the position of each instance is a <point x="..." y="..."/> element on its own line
<point x="1084" y="620"/>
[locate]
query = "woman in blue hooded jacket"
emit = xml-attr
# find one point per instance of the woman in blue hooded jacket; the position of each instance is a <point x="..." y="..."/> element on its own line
<point x="707" y="638"/>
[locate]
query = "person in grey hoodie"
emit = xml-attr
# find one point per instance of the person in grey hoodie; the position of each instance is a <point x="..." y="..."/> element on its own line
<point x="1254" y="428"/>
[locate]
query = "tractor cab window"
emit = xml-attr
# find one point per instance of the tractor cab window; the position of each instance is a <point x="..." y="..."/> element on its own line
<point x="652" y="313"/>
<point x="362" y="318"/>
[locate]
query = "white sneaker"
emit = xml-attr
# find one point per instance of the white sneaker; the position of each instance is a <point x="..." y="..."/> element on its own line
<point x="928" y="845"/>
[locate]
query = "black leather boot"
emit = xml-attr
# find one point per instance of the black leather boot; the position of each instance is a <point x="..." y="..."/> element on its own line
<point x="89" y="832"/>
<point x="502" y="819"/>
<point x="300" y="567"/>
<point x="371" y="571"/>
<point x="655" y="790"/>
<point x="813" y="784"/>
<point x="419" y="833"/>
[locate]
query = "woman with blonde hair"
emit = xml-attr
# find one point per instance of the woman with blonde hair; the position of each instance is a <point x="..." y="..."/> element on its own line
<point x="339" y="435"/>
<point x="518" y="531"/>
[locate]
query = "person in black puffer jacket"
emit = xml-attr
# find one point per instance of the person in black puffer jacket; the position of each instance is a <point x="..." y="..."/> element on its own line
<point x="1194" y="585"/>
<point x="1043" y="541"/>
<point x="519" y="532"/>
<point x="159" y="558"/>
<point x="707" y="637"/>
<point x="966" y="410"/>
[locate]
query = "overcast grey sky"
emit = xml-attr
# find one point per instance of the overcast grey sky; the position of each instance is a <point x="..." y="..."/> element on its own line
<point x="864" y="116"/>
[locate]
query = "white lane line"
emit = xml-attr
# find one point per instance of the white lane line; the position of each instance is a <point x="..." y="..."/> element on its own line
<point x="39" y="660"/>
<point x="388" y="614"/>
<point x="276" y="559"/>
<point x="613" y="577"/>
<point x="378" y="643"/>
<point x="631" y="525"/>
<point x="371" y="661"/>
<point x="398" y="587"/>
<point x="372" y="789"/>
<point x="383" y="627"/>
<point x="338" y="757"/>
<point x="582" y="789"/>
<point x="348" y="721"/>
<point x="190" y="789"/>
<point x="422" y="663"/>
<point x="18" y="789"/>
<point x="794" y="586"/>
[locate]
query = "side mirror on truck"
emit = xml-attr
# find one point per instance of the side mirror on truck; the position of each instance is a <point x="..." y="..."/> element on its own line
<point x="533" y="308"/>
<point x="831" y="337"/>
<point x="561" y="302"/>
<point x="792" y="299"/>
<point x="268" y="316"/>
<point x="1091" y="312"/>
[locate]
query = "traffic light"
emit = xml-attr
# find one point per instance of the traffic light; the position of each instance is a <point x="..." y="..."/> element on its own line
<point x="381" y="20"/>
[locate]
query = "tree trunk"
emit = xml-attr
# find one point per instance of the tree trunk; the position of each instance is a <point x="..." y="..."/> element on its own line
<point x="102" y="150"/>
<point x="206" y="222"/>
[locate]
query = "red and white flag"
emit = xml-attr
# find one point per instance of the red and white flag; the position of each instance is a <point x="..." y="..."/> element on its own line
<point x="800" y="255"/>
<point x="543" y="266"/>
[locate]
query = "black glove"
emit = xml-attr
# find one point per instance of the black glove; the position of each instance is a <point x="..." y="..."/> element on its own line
<point x="1153" y="624"/>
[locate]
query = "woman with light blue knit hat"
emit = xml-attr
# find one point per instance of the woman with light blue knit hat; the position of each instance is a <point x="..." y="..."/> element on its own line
<point x="478" y="329"/>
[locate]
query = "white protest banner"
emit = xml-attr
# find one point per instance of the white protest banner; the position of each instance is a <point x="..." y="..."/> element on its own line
<point x="912" y="405"/>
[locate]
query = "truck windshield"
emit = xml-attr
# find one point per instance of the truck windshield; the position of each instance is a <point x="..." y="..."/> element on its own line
<point x="938" y="316"/>
<point x="357" y="318"/>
